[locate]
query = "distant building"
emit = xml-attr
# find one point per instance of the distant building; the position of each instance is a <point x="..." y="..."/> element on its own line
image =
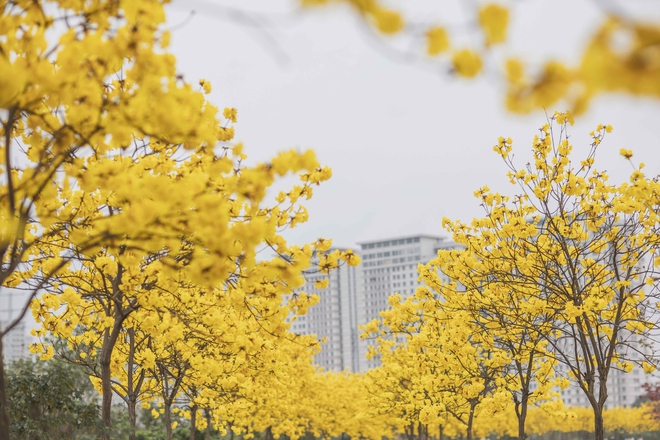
<point x="335" y="318"/>
<point x="357" y="295"/>
<point x="390" y="266"/>
<point x="15" y="343"/>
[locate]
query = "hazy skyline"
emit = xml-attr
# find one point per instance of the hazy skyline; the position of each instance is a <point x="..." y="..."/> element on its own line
<point x="407" y="145"/>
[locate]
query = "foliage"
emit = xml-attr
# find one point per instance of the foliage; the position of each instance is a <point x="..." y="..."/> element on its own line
<point x="651" y="398"/>
<point x="51" y="400"/>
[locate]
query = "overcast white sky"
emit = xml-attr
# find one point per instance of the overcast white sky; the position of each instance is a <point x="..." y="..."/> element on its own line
<point x="408" y="145"/>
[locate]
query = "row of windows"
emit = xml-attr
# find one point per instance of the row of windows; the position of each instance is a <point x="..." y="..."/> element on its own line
<point x="377" y="295"/>
<point x="323" y="308"/>
<point x="390" y="243"/>
<point x="387" y="269"/>
<point x="379" y="282"/>
<point x="393" y="253"/>
<point x="392" y="261"/>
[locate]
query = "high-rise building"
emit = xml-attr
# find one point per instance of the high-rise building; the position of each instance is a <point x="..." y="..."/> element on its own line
<point x="357" y="295"/>
<point x="335" y="318"/>
<point x="390" y="266"/>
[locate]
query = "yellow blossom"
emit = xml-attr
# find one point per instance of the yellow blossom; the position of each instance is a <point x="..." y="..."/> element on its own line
<point x="626" y="153"/>
<point x="437" y="41"/>
<point x="467" y="63"/>
<point x="494" y="20"/>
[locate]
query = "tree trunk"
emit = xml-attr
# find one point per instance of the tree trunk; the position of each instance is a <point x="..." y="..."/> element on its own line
<point x="132" y="418"/>
<point x="410" y="432"/>
<point x="193" y="422"/>
<point x="106" y="398"/>
<point x="168" y="419"/>
<point x="207" y="414"/>
<point x="468" y="431"/>
<point x="599" y="430"/>
<point x="131" y="398"/>
<point x="423" y="432"/>
<point x="522" y="416"/>
<point x="4" y="410"/>
<point x="440" y="429"/>
<point x="108" y="346"/>
<point x="109" y="340"/>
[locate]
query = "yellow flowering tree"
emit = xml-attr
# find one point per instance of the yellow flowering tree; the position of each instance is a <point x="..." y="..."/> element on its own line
<point x="119" y="188"/>
<point x="575" y="250"/>
<point x="622" y="54"/>
<point x="472" y="287"/>
<point x="436" y="365"/>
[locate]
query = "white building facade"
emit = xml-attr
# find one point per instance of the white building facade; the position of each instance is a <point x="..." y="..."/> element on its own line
<point x="390" y="266"/>
<point x="335" y="318"/>
<point x="357" y="295"/>
<point x="15" y="343"/>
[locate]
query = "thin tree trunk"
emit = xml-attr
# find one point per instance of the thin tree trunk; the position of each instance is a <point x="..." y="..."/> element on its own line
<point x="440" y="429"/>
<point x="522" y="416"/>
<point x="599" y="430"/>
<point x="132" y="419"/>
<point x="109" y="340"/>
<point x="207" y="414"/>
<point x="132" y="392"/>
<point x="108" y="346"/>
<point x="168" y="419"/>
<point x="468" y="431"/>
<point x="410" y="432"/>
<point x="106" y="396"/>
<point x="193" y="422"/>
<point x="4" y="410"/>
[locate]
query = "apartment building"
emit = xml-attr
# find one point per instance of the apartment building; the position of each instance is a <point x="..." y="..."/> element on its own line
<point x="357" y="295"/>
<point x="390" y="266"/>
<point x="335" y="318"/>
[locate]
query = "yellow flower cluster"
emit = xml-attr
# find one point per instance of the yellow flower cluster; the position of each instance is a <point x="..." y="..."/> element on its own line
<point x="621" y="56"/>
